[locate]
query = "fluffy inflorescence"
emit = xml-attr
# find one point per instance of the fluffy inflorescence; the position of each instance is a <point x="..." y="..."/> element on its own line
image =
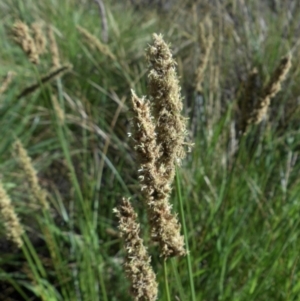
<point x="137" y="264"/>
<point x="22" y="37"/>
<point x="13" y="228"/>
<point x="164" y="92"/>
<point x="156" y="187"/>
<point x="160" y="145"/>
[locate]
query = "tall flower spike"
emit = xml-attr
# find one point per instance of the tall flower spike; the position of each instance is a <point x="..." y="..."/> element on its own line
<point x="165" y="228"/>
<point x="137" y="265"/>
<point x="160" y="145"/>
<point x="13" y="228"/>
<point x="164" y="92"/>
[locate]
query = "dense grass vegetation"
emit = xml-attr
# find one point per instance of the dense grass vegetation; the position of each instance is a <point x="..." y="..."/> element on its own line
<point x="240" y="192"/>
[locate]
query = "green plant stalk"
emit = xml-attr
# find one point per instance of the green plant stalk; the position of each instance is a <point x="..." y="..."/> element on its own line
<point x="182" y="217"/>
<point x="178" y="280"/>
<point x="166" y="280"/>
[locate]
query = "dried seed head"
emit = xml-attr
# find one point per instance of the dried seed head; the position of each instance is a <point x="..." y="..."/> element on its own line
<point x="39" y="37"/>
<point x="156" y="188"/>
<point x="166" y="229"/>
<point x="137" y="265"/>
<point x="13" y="228"/>
<point x="160" y="145"/>
<point x="38" y="193"/>
<point x="247" y="101"/>
<point x="22" y="37"/>
<point x="164" y="92"/>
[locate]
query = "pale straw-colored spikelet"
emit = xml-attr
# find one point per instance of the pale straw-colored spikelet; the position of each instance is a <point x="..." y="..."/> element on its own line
<point x="206" y="41"/>
<point x="94" y="42"/>
<point x="13" y="227"/>
<point x="4" y="86"/>
<point x="39" y="194"/>
<point x="165" y="228"/>
<point x="60" y="114"/>
<point x="39" y="37"/>
<point x="137" y="263"/>
<point x="53" y="49"/>
<point x="21" y="34"/>
<point x="164" y="93"/>
<point x="272" y="88"/>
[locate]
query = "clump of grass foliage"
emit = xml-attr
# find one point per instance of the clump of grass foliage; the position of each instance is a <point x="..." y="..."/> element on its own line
<point x="66" y="103"/>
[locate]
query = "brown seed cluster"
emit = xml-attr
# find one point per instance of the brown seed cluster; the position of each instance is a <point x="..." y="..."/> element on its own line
<point x="271" y="89"/>
<point x="247" y="102"/>
<point x="137" y="265"/>
<point x="13" y="227"/>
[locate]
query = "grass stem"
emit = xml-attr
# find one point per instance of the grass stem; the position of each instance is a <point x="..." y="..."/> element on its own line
<point x="166" y="281"/>
<point x="182" y="217"/>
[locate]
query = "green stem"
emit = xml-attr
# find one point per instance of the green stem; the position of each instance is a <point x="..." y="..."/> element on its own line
<point x="166" y="280"/>
<point x="188" y="256"/>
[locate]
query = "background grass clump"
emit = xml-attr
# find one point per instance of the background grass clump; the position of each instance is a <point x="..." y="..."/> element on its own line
<point x="240" y="192"/>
